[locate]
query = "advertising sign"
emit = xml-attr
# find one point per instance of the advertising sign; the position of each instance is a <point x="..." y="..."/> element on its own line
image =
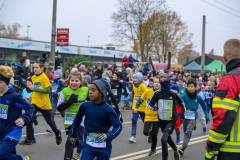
<point x="62" y="37"/>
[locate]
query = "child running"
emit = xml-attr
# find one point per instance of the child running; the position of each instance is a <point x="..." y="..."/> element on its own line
<point x="209" y="97"/>
<point x="165" y="99"/>
<point x="192" y="101"/>
<point x="99" y="118"/>
<point x="11" y="117"/>
<point x="41" y="102"/>
<point x="57" y="86"/>
<point x="69" y="101"/>
<point x="151" y="124"/>
<point x="182" y="89"/>
<point x="176" y="87"/>
<point x="138" y="89"/>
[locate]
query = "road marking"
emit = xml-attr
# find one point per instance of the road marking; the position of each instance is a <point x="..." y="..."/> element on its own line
<point x="64" y="130"/>
<point x="202" y="138"/>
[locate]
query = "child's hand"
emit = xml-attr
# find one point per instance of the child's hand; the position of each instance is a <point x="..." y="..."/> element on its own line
<point x="26" y="97"/>
<point x="19" y="122"/>
<point x="130" y="93"/>
<point x="135" y="110"/>
<point x="113" y="106"/>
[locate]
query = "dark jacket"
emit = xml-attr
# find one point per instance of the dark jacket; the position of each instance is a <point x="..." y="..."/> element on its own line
<point x="43" y="59"/>
<point x="118" y="86"/>
<point x="15" y="104"/>
<point x="57" y="63"/>
<point x="21" y="69"/>
<point x="131" y="59"/>
<point x="98" y="73"/>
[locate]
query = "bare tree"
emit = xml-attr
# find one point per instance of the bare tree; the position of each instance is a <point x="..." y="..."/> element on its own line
<point x="128" y="22"/>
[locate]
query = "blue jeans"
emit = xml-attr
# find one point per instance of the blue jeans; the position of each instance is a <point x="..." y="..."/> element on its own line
<point x="8" y="150"/>
<point x="81" y="138"/>
<point x="208" y="109"/>
<point x="54" y="108"/>
<point x="89" y="153"/>
<point x="134" y="121"/>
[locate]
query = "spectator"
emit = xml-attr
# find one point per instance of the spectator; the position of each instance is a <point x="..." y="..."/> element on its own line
<point x="98" y="73"/>
<point x="24" y="55"/>
<point x="131" y="60"/>
<point x="125" y="61"/>
<point x="8" y="64"/>
<point x="58" y="61"/>
<point x="128" y="77"/>
<point x="133" y="71"/>
<point x="105" y="72"/>
<point x="13" y="67"/>
<point x="146" y="67"/>
<point x="44" y="58"/>
<point x="21" y="70"/>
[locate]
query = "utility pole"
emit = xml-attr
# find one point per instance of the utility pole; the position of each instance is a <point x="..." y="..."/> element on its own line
<point x="52" y="54"/>
<point x="203" y="45"/>
<point x="88" y="39"/>
<point x="28" y="30"/>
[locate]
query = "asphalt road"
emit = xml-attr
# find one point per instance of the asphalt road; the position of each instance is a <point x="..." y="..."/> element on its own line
<point x="46" y="148"/>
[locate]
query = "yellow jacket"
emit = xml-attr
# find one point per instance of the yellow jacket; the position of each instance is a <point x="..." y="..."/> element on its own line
<point x="138" y="91"/>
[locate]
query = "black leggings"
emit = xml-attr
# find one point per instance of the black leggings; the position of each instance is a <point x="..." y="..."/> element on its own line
<point x="151" y="129"/>
<point x="167" y="139"/>
<point x="68" y="145"/>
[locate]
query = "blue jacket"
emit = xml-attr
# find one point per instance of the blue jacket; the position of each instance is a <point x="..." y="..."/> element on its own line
<point x="15" y="103"/>
<point x="59" y="89"/>
<point x="98" y="119"/>
<point x="131" y="59"/>
<point x="193" y="104"/>
<point x="209" y="95"/>
<point x="123" y="97"/>
<point x="146" y="68"/>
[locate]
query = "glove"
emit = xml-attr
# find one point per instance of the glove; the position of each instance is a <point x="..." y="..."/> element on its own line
<point x="101" y="137"/>
<point x="210" y="155"/>
<point x="73" y="141"/>
<point x="55" y="95"/>
<point x="177" y="113"/>
<point x="73" y="98"/>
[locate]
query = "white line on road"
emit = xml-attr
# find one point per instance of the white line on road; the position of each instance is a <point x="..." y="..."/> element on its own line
<point x="202" y="138"/>
<point x="64" y="130"/>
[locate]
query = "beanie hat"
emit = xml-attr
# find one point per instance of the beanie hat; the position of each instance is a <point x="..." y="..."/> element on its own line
<point x="29" y="79"/>
<point x="116" y="74"/>
<point x="51" y="63"/>
<point x="24" y="53"/>
<point x="175" y="87"/>
<point x="211" y="84"/>
<point x="103" y="86"/>
<point x="138" y="75"/>
<point x="151" y="79"/>
<point x="145" y="73"/>
<point x="165" y="75"/>
<point x="115" y="66"/>
<point x="88" y="78"/>
<point x="80" y="70"/>
<point x="59" y="72"/>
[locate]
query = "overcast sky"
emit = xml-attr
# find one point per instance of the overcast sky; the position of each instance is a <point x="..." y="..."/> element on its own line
<point x="92" y="17"/>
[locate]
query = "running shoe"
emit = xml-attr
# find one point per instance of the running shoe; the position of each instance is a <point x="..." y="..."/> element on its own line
<point x="132" y="139"/>
<point x="49" y="130"/>
<point x="59" y="138"/>
<point x="204" y="130"/>
<point x="35" y="122"/>
<point x="176" y="155"/>
<point x="25" y="142"/>
<point x="25" y="158"/>
<point x="178" y="141"/>
<point x="152" y="152"/>
<point x="181" y="152"/>
<point x="149" y="139"/>
<point x="33" y="140"/>
<point x="76" y="156"/>
<point x="121" y="119"/>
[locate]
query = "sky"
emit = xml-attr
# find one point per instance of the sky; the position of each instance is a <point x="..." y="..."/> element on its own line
<point x="93" y="17"/>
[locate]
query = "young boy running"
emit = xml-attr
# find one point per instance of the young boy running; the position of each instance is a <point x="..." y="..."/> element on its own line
<point x="99" y="118"/>
<point x="165" y="99"/>
<point x="41" y="102"/>
<point x="182" y="89"/>
<point x="209" y="97"/>
<point x="11" y="118"/>
<point x="192" y="101"/>
<point x="151" y="124"/>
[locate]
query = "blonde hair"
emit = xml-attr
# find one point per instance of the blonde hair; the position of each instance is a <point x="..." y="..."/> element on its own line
<point x="212" y="77"/>
<point x="232" y="48"/>
<point x="6" y="71"/>
<point x="77" y="74"/>
<point x="84" y="83"/>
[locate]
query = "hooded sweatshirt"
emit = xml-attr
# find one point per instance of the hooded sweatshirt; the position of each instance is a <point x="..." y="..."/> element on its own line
<point x="15" y="104"/>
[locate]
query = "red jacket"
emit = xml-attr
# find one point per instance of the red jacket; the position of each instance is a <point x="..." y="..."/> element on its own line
<point x="125" y="60"/>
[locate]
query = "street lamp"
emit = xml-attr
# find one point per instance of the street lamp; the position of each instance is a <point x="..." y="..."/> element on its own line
<point x="88" y="39"/>
<point x="28" y="30"/>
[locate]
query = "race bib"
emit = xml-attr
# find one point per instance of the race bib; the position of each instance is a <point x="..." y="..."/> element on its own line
<point x="190" y="114"/>
<point x="114" y="91"/>
<point x="165" y="109"/>
<point x="54" y="89"/>
<point x="137" y="98"/>
<point x="209" y="95"/>
<point x="3" y="111"/>
<point x="38" y="85"/>
<point x="69" y="117"/>
<point x="122" y="96"/>
<point x="92" y="141"/>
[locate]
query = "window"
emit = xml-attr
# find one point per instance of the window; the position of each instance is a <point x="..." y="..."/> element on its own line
<point x="1" y="54"/>
<point x="34" y="57"/>
<point x="10" y="57"/>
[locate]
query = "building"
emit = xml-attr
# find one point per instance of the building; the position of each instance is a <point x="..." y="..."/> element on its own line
<point x="208" y="59"/>
<point x="11" y="51"/>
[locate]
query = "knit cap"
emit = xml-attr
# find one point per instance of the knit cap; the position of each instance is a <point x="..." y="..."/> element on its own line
<point x="51" y="63"/>
<point x="138" y="75"/>
<point x="165" y="75"/>
<point x="88" y="78"/>
<point x="175" y="87"/>
<point x="103" y="86"/>
<point x="59" y="72"/>
<point x="29" y="79"/>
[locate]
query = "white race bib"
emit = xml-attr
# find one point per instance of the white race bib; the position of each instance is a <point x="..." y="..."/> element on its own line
<point x="69" y="117"/>
<point x="122" y="96"/>
<point x="114" y="91"/>
<point x="54" y="89"/>
<point x="165" y="109"/>
<point x="190" y="114"/>
<point x="92" y="141"/>
<point x="38" y="85"/>
<point x="3" y="111"/>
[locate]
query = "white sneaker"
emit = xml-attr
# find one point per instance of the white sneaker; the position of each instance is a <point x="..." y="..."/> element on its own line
<point x="132" y="139"/>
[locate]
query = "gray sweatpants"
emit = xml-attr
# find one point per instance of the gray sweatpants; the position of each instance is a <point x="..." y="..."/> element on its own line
<point x="122" y="104"/>
<point x="188" y="126"/>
